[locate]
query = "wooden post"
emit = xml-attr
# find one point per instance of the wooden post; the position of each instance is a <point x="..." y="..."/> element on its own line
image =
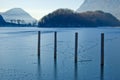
<point x="55" y="45"/>
<point x="102" y="49"/>
<point x="76" y="47"/>
<point x="39" y="42"/>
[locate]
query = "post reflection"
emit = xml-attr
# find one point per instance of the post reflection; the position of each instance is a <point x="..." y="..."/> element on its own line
<point x="76" y="71"/>
<point x="102" y="73"/>
<point x="55" y="69"/>
<point x="39" y="68"/>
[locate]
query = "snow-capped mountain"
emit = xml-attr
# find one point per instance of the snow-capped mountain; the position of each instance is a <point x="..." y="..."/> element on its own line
<point x="18" y="15"/>
<point x="111" y="6"/>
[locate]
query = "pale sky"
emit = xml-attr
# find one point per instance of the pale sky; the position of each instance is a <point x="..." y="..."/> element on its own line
<point x="39" y="8"/>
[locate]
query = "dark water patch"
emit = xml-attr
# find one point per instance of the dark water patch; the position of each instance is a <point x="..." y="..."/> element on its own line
<point x="85" y="61"/>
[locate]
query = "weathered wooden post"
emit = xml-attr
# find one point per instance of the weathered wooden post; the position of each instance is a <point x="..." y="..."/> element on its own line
<point x="39" y="36"/>
<point x="102" y="49"/>
<point x="55" y="45"/>
<point x="76" y="47"/>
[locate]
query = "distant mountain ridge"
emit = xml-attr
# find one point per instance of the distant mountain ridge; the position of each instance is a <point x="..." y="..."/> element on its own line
<point x="69" y="18"/>
<point x="18" y="15"/>
<point x="3" y="23"/>
<point x="110" y="6"/>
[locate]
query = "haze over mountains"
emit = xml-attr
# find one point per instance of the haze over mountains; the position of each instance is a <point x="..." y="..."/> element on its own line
<point x="110" y="6"/>
<point x="18" y="15"/>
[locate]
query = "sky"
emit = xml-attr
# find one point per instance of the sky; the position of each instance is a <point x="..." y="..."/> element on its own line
<point x="39" y="8"/>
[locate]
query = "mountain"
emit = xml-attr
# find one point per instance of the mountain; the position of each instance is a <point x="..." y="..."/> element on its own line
<point x="18" y="15"/>
<point x="110" y="6"/>
<point x="2" y="21"/>
<point x="69" y="18"/>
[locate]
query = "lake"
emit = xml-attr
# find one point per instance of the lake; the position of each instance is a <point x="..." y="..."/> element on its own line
<point x="19" y="60"/>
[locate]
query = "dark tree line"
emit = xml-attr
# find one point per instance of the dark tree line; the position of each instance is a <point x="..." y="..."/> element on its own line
<point x="18" y="21"/>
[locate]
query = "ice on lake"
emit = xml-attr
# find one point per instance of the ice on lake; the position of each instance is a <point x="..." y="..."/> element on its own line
<point x="19" y="60"/>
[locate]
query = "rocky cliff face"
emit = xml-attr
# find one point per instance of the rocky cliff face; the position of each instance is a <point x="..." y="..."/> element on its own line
<point x="111" y="6"/>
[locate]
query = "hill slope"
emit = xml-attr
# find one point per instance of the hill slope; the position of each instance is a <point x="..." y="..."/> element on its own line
<point x="2" y="21"/>
<point x="69" y="18"/>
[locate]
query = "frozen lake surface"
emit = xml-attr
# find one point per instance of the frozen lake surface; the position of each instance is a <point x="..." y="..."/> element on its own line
<point x="19" y="60"/>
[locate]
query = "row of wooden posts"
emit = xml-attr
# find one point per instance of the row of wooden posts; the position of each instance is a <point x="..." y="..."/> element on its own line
<point x="76" y="47"/>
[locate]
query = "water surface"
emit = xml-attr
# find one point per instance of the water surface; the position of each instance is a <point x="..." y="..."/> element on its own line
<point x="19" y="60"/>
